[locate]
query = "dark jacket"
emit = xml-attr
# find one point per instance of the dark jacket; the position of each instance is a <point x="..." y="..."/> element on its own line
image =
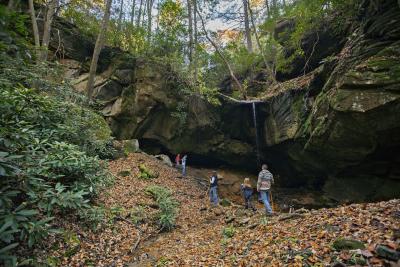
<point x="214" y="182"/>
<point x="247" y="191"/>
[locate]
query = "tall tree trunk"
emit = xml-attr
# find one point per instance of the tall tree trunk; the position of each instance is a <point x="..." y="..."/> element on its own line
<point x="190" y="31"/>
<point x="10" y="5"/>
<point x="51" y="10"/>
<point x="35" y="29"/>
<point x="274" y="8"/>
<point x="195" y="40"/>
<point x="247" y="26"/>
<point x="149" y="19"/>
<point x="267" y="66"/>
<point x="97" y="50"/>
<point x="133" y="12"/>
<point x="268" y="9"/>
<point x="144" y="12"/>
<point x="232" y="74"/>
<point x="121" y="12"/>
<point x="139" y="14"/>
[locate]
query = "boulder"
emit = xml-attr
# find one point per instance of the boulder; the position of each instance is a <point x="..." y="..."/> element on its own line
<point x="165" y="159"/>
<point x="130" y="146"/>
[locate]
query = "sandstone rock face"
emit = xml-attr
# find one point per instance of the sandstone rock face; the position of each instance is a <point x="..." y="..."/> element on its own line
<point x="337" y="128"/>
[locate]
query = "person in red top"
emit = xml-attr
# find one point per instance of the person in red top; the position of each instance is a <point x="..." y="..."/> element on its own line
<point x="177" y="160"/>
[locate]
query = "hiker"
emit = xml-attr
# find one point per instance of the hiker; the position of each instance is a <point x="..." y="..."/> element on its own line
<point x="247" y="191"/>
<point x="214" y="188"/>
<point x="265" y="179"/>
<point x="177" y="160"/>
<point x="184" y="165"/>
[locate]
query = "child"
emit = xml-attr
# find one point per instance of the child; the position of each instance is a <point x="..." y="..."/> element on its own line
<point x="247" y="191"/>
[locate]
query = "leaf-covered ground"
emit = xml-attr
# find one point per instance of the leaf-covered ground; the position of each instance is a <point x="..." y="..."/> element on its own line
<point x="223" y="236"/>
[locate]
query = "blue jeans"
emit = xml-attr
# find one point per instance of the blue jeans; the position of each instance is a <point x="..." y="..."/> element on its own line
<point x="214" y="195"/>
<point x="183" y="169"/>
<point x="265" y="200"/>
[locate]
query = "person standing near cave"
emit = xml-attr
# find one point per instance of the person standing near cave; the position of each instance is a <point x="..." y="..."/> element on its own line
<point x="177" y="160"/>
<point x="184" y="158"/>
<point x="214" y="188"/>
<point x="265" y="180"/>
<point x="247" y="191"/>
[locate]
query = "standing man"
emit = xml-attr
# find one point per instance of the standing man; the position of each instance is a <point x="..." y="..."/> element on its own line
<point x="184" y="158"/>
<point x="214" y="188"/>
<point x="265" y="180"/>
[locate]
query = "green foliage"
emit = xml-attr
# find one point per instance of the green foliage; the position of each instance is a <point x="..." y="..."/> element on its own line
<point x="167" y="204"/>
<point x="229" y="231"/>
<point x="146" y="173"/>
<point x="49" y="148"/>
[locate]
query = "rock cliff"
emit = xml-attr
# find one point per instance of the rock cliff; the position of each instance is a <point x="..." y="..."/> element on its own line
<point x="336" y="128"/>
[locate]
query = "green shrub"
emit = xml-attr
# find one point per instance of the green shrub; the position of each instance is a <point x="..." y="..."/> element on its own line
<point x="49" y="164"/>
<point x="168" y="206"/>
<point x="146" y="173"/>
<point x="228" y="232"/>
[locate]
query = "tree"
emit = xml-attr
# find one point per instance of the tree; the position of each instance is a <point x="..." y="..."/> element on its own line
<point x="51" y="10"/>
<point x="190" y="32"/>
<point x="97" y="50"/>
<point x="232" y="74"/>
<point x="133" y="11"/>
<point x="10" y="5"/>
<point x="195" y="63"/>
<point x="121" y="12"/>
<point x="247" y="26"/>
<point x="42" y="48"/>
<point x="149" y="19"/>
<point x="267" y="66"/>
<point x="34" y="28"/>
<point x="139" y="14"/>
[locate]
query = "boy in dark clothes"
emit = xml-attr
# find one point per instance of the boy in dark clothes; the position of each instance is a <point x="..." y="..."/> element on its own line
<point x="247" y="191"/>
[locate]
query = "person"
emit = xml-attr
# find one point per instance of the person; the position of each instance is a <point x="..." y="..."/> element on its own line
<point x="264" y="182"/>
<point x="214" y="188"/>
<point x="247" y="191"/>
<point x="184" y="158"/>
<point x="177" y="160"/>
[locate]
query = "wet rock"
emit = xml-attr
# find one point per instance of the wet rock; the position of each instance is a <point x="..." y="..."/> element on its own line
<point x="347" y="244"/>
<point x="387" y="253"/>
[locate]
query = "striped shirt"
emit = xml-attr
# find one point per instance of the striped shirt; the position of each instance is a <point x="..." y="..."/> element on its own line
<point x="265" y="178"/>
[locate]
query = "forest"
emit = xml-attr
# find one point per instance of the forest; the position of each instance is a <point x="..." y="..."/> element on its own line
<point x="130" y="131"/>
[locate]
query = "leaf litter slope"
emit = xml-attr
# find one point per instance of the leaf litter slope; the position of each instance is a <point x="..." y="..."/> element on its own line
<point x="198" y="239"/>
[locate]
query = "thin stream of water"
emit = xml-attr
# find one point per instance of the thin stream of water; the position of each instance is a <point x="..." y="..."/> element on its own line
<point x="256" y="131"/>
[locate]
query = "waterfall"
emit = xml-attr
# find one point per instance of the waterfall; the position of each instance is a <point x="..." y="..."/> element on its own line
<point x="256" y="131"/>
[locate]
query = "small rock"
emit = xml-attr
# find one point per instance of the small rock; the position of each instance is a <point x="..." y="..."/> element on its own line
<point x="229" y="220"/>
<point x="124" y="173"/>
<point x="347" y="244"/>
<point x="252" y="226"/>
<point x="244" y="221"/>
<point x="339" y="264"/>
<point x="396" y="233"/>
<point x="387" y="253"/>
